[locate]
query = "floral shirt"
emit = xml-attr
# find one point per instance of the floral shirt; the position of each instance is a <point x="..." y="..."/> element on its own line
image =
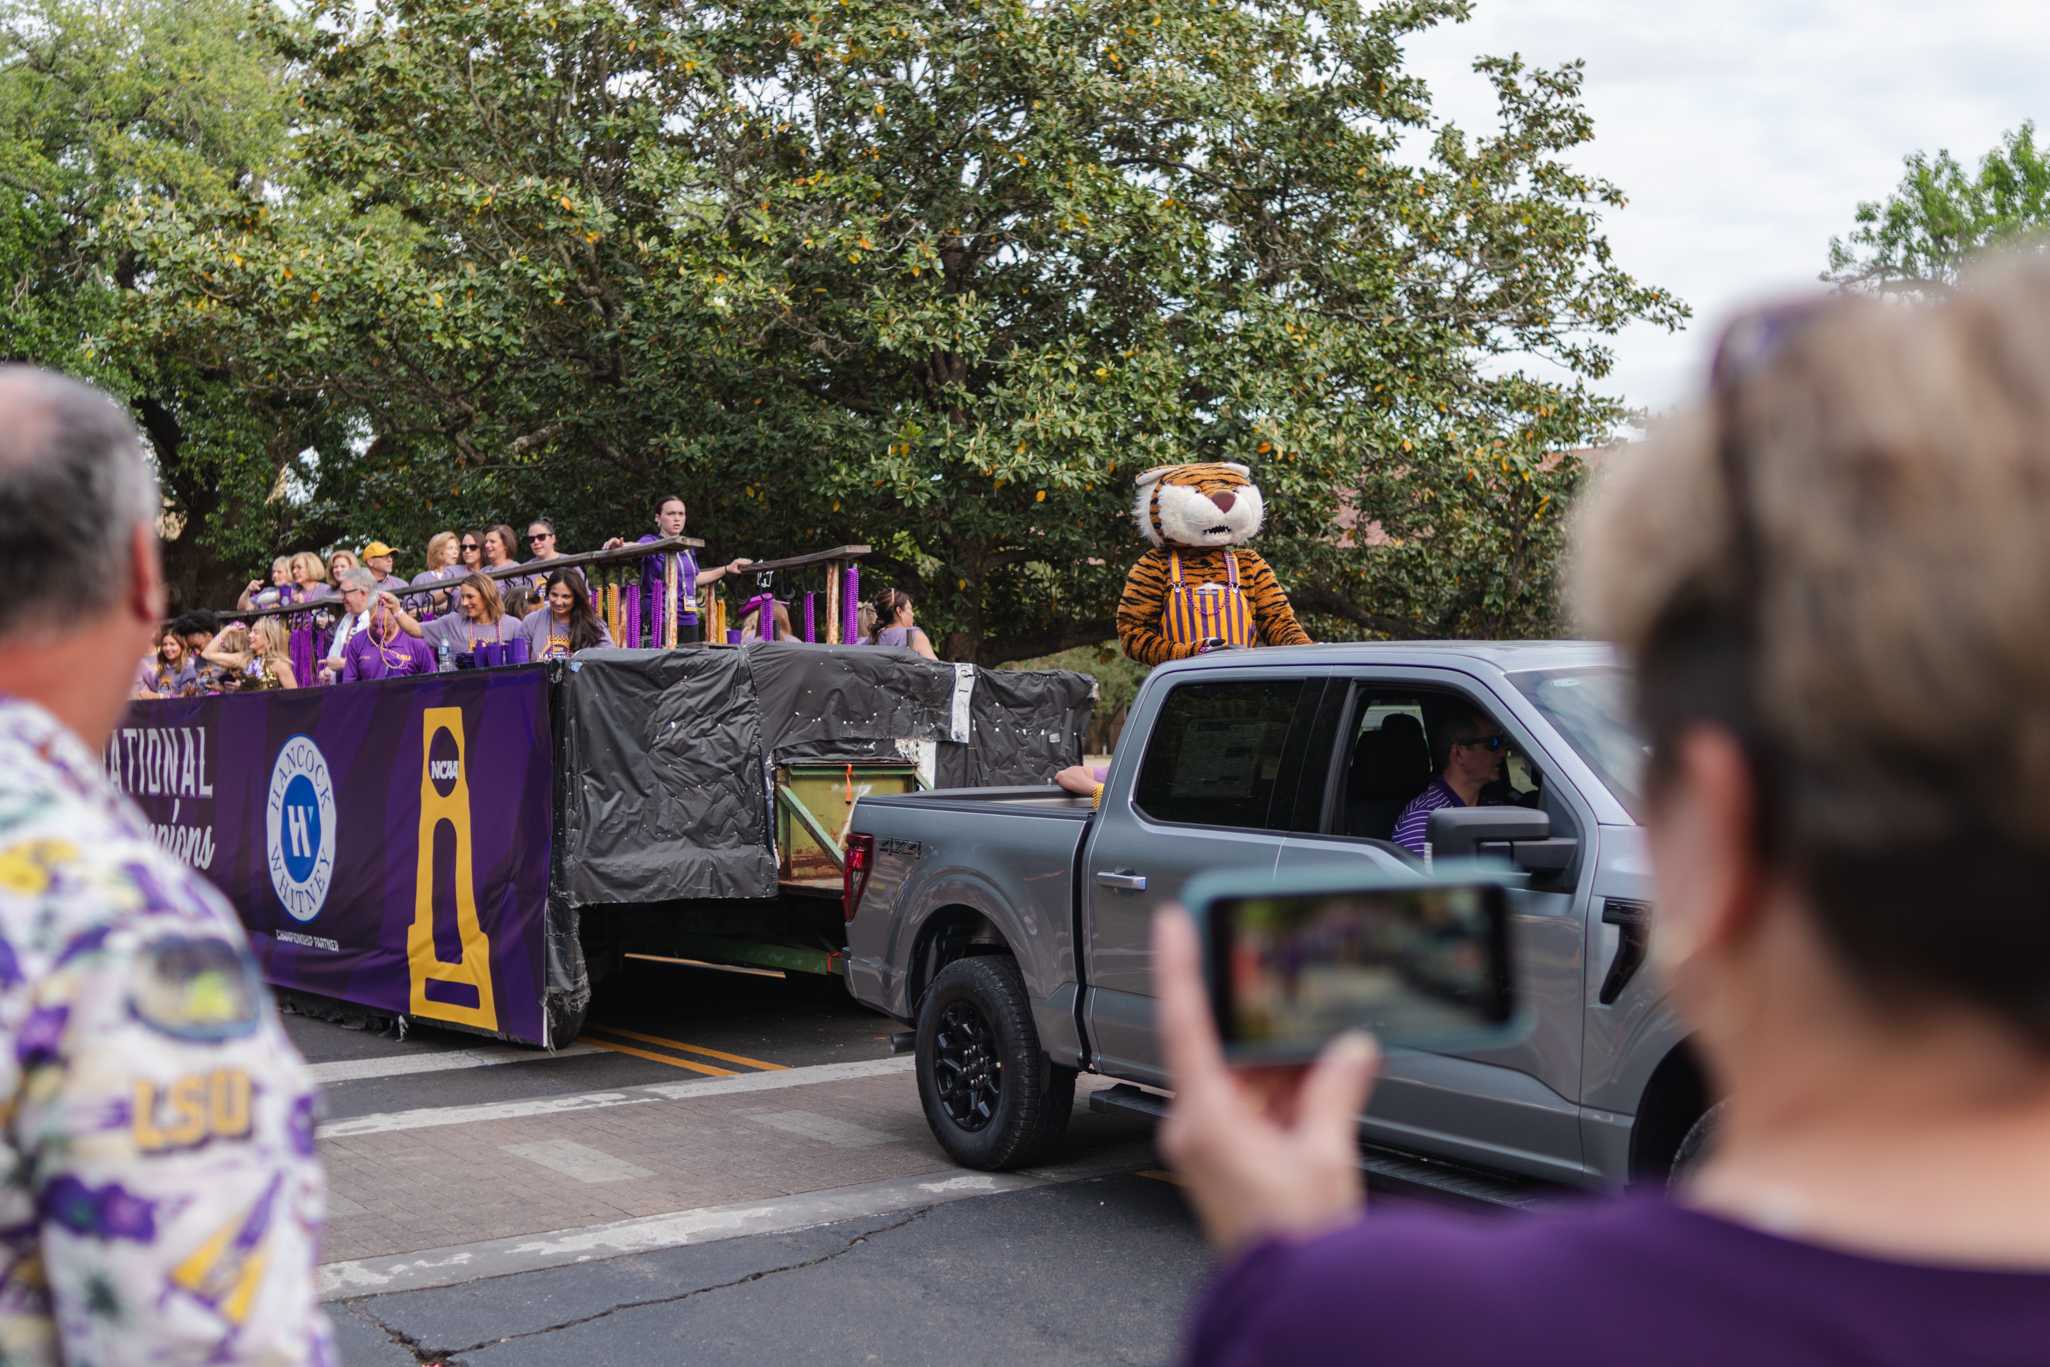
<point x="160" y="1200"/>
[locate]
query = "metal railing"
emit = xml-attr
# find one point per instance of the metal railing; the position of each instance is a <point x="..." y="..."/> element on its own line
<point x="617" y="583"/>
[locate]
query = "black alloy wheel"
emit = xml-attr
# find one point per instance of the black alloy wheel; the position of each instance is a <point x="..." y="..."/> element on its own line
<point x="967" y="1070"/>
<point x="992" y="1097"/>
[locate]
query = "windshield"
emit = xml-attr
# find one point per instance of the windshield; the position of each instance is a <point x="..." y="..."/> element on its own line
<point x="1591" y="709"/>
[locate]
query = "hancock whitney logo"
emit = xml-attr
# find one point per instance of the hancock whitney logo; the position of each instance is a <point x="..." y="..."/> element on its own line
<point x="299" y="828"/>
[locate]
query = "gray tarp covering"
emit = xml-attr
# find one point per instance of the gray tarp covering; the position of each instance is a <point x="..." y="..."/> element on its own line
<point x="668" y="755"/>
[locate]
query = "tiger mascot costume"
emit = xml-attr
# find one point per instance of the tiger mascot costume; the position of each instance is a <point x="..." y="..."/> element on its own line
<point x="1198" y="587"/>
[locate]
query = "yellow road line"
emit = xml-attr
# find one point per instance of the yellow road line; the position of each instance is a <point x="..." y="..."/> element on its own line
<point x="1156" y="1175"/>
<point x="742" y="1059"/>
<point x="654" y="1057"/>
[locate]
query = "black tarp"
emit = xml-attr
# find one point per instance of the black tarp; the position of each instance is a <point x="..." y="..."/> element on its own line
<point x="668" y="755"/>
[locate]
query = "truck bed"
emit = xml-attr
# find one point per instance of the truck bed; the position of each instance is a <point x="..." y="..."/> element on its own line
<point x="1042" y="800"/>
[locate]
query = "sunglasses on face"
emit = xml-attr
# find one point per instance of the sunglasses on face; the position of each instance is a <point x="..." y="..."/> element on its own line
<point x="470" y="545"/>
<point x="1494" y="742"/>
<point x="540" y="536"/>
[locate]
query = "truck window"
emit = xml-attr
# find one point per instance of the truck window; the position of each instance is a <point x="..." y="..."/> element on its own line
<point x="1217" y="757"/>
<point x="1395" y="750"/>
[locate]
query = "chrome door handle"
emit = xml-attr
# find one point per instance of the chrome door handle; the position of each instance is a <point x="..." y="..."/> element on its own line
<point x="1123" y="880"/>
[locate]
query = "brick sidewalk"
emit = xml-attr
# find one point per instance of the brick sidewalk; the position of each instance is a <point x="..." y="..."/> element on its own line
<point x="439" y="1185"/>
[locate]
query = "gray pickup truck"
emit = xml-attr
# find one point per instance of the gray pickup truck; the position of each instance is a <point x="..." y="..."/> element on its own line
<point x="1010" y="926"/>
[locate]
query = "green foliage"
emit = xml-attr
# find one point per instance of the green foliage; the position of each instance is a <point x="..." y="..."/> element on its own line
<point x="940" y="277"/>
<point x="1940" y="215"/>
<point x="107" y="108"/>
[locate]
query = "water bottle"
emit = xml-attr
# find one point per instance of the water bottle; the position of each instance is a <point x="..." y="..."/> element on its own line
<point x="448" y="659"/>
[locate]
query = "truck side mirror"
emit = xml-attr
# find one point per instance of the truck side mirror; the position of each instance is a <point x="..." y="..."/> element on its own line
<point x="1521" y="835"/>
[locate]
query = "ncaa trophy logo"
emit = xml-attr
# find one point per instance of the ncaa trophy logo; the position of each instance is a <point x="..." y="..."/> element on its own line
<point x="299" y="828"/>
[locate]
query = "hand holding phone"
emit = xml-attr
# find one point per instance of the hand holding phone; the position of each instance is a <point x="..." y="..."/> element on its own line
<point x="1418" y="963"/>
<point x="1261" y="1151"/>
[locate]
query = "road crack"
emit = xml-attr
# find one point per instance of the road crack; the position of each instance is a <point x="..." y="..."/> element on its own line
<point x="448" y="1357"/>
<point x="436" y="1356"/>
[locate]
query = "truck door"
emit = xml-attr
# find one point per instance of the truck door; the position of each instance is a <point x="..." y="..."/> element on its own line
<point x="1513" y="1107"/>
<point x="1217" y="786"/>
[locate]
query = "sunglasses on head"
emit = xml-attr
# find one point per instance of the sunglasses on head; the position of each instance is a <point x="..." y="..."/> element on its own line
<point x="1494" y="742"/>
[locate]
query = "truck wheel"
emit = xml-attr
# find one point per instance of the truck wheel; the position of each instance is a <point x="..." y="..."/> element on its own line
<point x="1695" y="1145"/>
<point x="992" y="1097"/>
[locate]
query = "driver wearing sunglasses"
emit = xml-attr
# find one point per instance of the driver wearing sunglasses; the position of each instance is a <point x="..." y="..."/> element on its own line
<point x="1474" y="753"/>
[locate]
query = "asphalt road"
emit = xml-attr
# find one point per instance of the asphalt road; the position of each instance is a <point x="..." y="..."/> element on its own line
<point x="724" y="1169"/>
<point x="655" y="1023"/>
<point x="1089" y="1272"/>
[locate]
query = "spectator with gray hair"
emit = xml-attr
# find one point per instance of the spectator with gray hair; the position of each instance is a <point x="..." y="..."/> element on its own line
<point x="358" y="587"/>
<point x="127" y="974"/>
<point x="1829" y="582"/>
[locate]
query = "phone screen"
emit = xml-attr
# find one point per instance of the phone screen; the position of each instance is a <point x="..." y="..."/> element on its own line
<point x="1421" y="967"/>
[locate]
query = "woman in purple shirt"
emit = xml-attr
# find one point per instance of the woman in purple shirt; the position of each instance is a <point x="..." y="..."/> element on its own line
<point x="896" y="626"/>
<point x="444" y="554"/>
<point x="564" y="623"/>
<point x="1830" y="585"/>
<point x="670" y="516"/>
<point x="479" y="619"/>
<point x="170" y="673"/>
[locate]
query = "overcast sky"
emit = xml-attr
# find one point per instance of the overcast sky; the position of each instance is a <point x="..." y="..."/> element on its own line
<point x="1746" y="131"/>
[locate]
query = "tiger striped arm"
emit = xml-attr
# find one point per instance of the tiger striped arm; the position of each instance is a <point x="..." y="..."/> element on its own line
<point x="1272" y="614"/>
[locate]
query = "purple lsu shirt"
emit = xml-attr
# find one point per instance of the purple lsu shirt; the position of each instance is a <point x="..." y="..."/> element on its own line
<point x="365" y="658"/>
<point x="654" y="581"/>
<point x="1616" y="1283"/>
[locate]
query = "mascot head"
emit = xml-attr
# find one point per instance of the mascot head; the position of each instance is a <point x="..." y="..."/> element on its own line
<point x="1200" y="505"/>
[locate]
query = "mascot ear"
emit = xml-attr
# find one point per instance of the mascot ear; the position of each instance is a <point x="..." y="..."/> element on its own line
<point x="1236" y="468"/>
<point x="1144" y="512"/>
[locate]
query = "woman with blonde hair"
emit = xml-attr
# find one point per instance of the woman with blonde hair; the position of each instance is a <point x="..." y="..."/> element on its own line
<point x="340" y="563"/>
<point x="1829" y="583"/>
<point x="257" y="595"/>
<point x="444" y="552"/>
<point x="479" y="619"/>
<point x="309" y="576"/>
<point x="253" y="656"/>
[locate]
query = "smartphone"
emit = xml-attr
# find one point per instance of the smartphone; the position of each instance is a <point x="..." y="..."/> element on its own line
<point x="1418" y="962"/>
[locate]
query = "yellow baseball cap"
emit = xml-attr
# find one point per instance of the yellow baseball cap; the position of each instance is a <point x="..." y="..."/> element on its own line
<point x="375" y="549"/>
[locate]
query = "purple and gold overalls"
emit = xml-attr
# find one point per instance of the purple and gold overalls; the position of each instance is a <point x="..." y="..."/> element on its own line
<point x="1206" y="612"/>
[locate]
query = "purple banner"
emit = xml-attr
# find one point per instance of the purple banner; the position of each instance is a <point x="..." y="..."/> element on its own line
<point x="384" y="843"/>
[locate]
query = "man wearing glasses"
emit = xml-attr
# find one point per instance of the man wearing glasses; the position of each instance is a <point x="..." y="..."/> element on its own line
<point x="1474" y="751"/>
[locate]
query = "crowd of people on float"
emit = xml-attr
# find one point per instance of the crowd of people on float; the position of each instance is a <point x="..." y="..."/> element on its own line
<point x="370" y="622"/>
